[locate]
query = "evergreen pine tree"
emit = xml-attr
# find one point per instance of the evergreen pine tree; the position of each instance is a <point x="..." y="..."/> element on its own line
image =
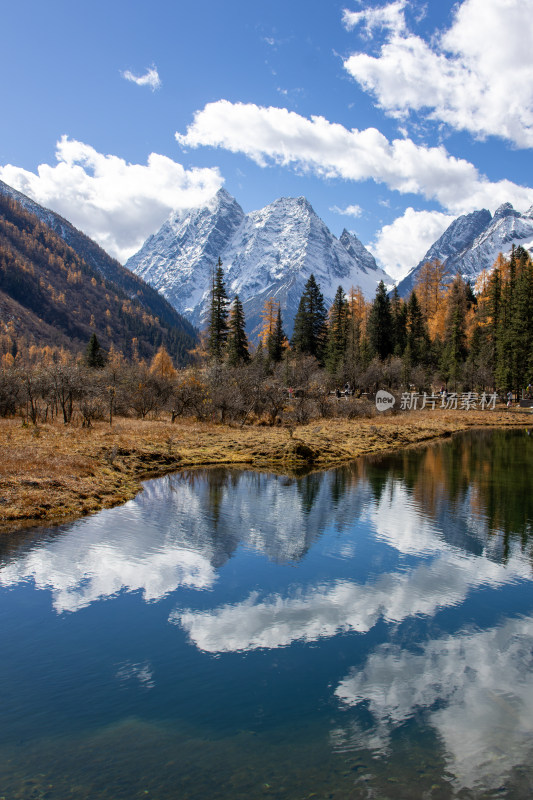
<point x="218" y="316"/>
<point x="399" y="323"/>
<point x="503" y="371"/>
<point x="276" y="340"/>
<point x="416" y="332"/>
<point x="94" y="355"/>
<point x="310" y="328"/>
<point x="455" y="352"/>
<point x="492" y="319"/>
<point x="237" y="344"/>
<point x="337" y="332"/>
<point x="520" y="335"/>
<point x="379" y="327"/>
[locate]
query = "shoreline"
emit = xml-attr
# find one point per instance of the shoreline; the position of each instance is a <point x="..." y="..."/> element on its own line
<point x="53" y="474"/>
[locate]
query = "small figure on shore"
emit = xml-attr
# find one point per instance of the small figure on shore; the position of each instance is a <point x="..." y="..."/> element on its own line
<point x="337" y="393"/>
<point x="509" y="399"/>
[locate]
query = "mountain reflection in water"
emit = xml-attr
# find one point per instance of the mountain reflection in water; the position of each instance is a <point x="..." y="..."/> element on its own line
<point x="400" y="585"/>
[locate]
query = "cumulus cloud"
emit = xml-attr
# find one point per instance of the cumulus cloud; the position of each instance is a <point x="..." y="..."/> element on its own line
<point x="444" y="578"/>
<point x="476" y="76"/>
<point x="116" y="203"/>
<point x="329" y="150"/>
<point x="403" y="243"/>
<point x="97" y="560"/>
<point x="474" y="689"/>
<point x="150" y="78"/>
<point x="323" y="612"/>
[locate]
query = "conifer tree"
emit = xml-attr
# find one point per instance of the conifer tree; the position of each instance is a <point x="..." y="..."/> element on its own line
<point x="379" y="326"/>
<point x="416" y="331"/>
<point x="162" y="366"/>
<point x="520" y="335"/>
<point x="276" y="340"/>
<point x="399" y="323"/>
<point x="502" y="371"/>
<point x="310" y="328"/>
<point x="337" y="332"/>
<point x="355" y="334"/>
<point x="455" y="352"/>
<point x="490" y="317"/>
<point x="94" y="355"/>
<point x="237" y="345"/>
<point x="218" y="316"/>
<point x="268" y="315"/>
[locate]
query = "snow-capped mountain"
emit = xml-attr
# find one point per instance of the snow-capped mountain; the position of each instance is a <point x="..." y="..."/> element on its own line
<point x="266" y="253"/>
<point x="472" y="243"/>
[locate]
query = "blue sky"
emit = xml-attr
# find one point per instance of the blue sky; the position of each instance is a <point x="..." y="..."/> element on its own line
<point x="391" y="118"/>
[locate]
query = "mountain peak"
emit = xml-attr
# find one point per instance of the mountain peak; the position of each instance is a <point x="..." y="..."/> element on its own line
<point x="358" y="251"/>
<point x="505" y="210"/>
<point x="266" y="253"/>
<point x="473" y="241"/>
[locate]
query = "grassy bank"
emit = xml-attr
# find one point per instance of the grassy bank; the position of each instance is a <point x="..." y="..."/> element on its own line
<point x="57" y="472"/>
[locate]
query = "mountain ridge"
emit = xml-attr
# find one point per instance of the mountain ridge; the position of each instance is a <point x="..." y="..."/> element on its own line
<point x="50" y="296"/>
<point x="472" y="242"/>
<point x="96" y="257"/>
<point x="266" y="253"/>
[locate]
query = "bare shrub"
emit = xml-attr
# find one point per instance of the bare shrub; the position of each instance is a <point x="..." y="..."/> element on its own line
<point x="11" y="392"/>
<point x="190" y="397"/>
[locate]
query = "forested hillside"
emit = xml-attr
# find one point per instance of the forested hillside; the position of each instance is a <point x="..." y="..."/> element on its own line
<point x="49" y="295"/>
<point x="101" y="261"/>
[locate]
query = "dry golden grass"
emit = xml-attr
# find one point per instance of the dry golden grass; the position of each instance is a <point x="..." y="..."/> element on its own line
<point x="58" y="472"/>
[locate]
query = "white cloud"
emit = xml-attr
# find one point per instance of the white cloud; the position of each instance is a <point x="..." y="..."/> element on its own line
<point x="390" y="17"/>
<point x="476" y="76"/>
<point x="404" y="242"/>
<point x="349" y="211"/>
<point x="474" y="689"/>
<point x="329" y="150"/>
<point x="116" y="203"/>
<point x="324" y="611"/>
<point x="150" y="78"/>
<point x="96" y="560"/>
<point x="320" y="612"/>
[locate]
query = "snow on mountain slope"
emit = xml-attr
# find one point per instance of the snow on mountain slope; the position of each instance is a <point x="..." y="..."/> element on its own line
<point x="178" y="260"/>
<point x="472" y="243"/>
<point x="267" y="253"/>
<point x="508" y="227"/>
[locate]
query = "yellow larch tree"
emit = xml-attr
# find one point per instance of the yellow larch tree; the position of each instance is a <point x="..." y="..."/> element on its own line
<point x="162" y="365"/>
<point x="269" y="315"/>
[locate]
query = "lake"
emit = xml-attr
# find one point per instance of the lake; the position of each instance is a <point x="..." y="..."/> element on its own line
<point x="365" y="632"/>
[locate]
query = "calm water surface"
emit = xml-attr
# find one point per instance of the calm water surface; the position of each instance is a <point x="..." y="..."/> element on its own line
<point x="361" y="633"/>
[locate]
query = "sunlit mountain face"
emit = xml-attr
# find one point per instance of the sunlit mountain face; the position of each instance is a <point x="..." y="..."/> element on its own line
<point x="269" y="253"/>
<point x="349" y="630"/>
